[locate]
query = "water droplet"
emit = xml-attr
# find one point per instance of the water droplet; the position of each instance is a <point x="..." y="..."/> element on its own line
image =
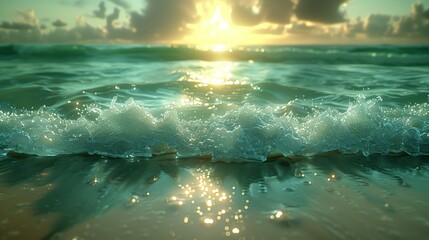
<point x="298" y="173"/>
<point x="208" y="221"/>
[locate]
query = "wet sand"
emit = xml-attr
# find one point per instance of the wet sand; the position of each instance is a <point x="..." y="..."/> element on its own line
<point x="325" y="197"/>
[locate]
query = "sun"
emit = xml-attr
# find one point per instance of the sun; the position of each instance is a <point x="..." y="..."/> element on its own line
<point x="214" y="31"/>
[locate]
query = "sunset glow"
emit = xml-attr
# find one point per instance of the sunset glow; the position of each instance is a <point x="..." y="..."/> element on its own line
<point x="214" y="31"/>
<point x="215" y="22"/>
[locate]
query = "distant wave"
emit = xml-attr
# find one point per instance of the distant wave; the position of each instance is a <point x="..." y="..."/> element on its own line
<point x="127" y="130"/>
<point x="378" y="55"/>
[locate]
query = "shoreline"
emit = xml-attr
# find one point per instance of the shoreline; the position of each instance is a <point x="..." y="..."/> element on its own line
<point x="332" y="196"/>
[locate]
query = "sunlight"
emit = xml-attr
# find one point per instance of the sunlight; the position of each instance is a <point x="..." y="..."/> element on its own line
<point x="219" y="47"/>
<point x="214" y="32"/>
<point x="211" y="205"/>
<point x="217" y="22"/>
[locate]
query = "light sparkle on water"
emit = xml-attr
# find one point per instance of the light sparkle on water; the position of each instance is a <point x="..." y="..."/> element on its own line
<point x="208" y="199"/>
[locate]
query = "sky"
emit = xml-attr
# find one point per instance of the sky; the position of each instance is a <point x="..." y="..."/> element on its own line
<point x="215" y="22"/>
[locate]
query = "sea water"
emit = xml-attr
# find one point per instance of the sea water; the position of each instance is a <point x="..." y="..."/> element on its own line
<point x="242" y="103"/>
<point x="182" y="142"/>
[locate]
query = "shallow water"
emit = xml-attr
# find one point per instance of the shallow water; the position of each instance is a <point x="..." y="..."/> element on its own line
<point x="331" y="196"/>
<point x="177" y="142"/>
<point x="243" y="103"/>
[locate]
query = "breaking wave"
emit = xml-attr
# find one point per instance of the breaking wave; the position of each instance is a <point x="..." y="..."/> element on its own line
<point x="244" y="133"/>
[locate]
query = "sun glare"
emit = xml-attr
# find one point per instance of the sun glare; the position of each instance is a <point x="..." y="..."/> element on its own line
<point x="214" y="32"/>
<point x="218" y="23"/>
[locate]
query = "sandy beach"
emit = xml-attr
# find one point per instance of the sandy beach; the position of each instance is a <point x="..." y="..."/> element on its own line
<point x="325" y="197"/>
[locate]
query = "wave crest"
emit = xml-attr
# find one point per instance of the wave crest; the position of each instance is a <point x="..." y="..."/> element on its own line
<point x="376" y="55"/>
<point x="247" y="132"/>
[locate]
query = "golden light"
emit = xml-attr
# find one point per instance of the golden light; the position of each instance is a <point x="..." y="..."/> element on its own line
<point x="215" y="31"/>
<point x="207" y="210"/>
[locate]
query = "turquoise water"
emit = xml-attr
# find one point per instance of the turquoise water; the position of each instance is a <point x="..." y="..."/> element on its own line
<point x="241" y="104"/>
<point x="130" y="142"/>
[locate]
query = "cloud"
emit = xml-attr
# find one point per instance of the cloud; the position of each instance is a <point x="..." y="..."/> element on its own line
<point x="322" y="11"/>
<point x="121" y="3"/>
<point x="28" y="17"/>
<point x="269" y="11"/>
<point x="377" y="25"/>
<point x="117" y="33"/>
<point x="270" y="29"/>
<point x="112" y="17"/>
<point x="82" y="32"/>
<point x="101" y="11"/>
<point x="414" y="24"/>
<point x="28" y="21"/>
<point x="59" y="23"/>
<point x="244" y="15"/>
<point x="303" y="29"/>
<point x="87" y="32"/>
<point x="163" y="20"/>
<point x="353" y="28"/>
<point x="277" y="11"/>
<point x="17" y="26"/>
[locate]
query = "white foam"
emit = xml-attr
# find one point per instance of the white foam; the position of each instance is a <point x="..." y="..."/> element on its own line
<point x="248" y="132"/>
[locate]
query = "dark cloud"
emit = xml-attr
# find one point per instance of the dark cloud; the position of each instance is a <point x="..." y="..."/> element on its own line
<point x="82" y="33"/>
<point x="353" y="28"/>
<point x="163" y="19"/>
<point x="86" y="32"/>
<point x="322" y="11"/>
<point x="377" y="25"/>
<point x="121" y="3"/>
<point x="17" y="26"/>
<point x="27" y="36"/>
<point x="118" y="33"/>
<point x="112" y="17"/>
<point x="277" y="11"/>
<point x="414" y="24"/>
<point x="101" y="11"/>
<point x="22" y="31"/>
<point x="243" y="15"/>
<point x="59" y="23"/>
<point x="272" y="11"/>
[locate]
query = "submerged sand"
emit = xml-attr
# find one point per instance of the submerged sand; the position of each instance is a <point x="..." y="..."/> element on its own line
<point x="323" y="197"/>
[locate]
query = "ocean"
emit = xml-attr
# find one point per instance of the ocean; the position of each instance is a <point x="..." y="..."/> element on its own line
<point x="194" y="142"/>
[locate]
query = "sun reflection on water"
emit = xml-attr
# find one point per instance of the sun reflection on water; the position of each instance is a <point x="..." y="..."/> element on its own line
<point x="212" y="84"/>
<point x="217" y="74"/>
<point x="212" y="205"/>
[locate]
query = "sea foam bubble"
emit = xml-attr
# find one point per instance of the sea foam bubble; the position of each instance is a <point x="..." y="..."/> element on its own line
<point x="246" y="132"/>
